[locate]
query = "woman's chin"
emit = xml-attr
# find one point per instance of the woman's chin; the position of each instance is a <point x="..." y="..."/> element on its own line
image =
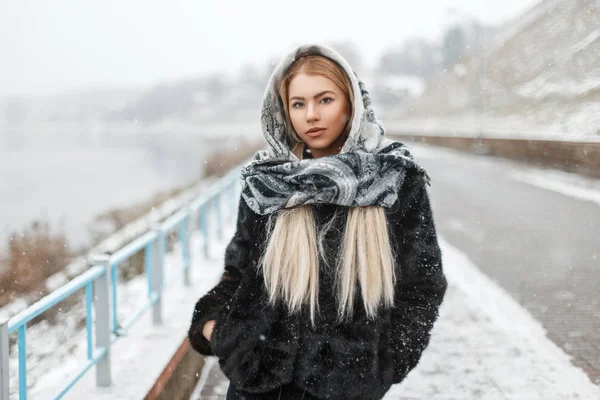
<point x="318" y="143"/>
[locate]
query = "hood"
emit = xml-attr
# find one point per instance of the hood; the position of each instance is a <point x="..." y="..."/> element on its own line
<point x="366" y="132"/>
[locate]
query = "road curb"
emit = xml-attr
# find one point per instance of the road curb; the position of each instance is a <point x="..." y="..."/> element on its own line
<point x="579" y="157"/>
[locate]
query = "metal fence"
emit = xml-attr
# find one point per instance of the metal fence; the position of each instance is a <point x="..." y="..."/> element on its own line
<point x="100" y="283"/>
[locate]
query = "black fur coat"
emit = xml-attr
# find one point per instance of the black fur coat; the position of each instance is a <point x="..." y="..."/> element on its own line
<point x="261" y="348"/>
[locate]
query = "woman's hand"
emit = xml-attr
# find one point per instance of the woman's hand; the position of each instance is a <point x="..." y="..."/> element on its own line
<point x="208" y="328"/>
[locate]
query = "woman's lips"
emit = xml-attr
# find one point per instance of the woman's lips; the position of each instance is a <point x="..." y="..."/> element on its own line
<point x="316" y="133"/>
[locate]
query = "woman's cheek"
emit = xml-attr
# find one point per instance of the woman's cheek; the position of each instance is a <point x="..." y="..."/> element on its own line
<point x="296" y="124"/>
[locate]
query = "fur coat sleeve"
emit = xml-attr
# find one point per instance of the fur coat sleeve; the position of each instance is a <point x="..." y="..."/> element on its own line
<point x="237" y="256"/>
<point x="421" y="282"/>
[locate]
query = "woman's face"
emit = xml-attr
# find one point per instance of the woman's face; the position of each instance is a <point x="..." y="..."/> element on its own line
<point x="319" y="112"/>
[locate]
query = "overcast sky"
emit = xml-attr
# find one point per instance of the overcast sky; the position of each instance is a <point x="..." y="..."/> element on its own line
<point x="61" y="45"/>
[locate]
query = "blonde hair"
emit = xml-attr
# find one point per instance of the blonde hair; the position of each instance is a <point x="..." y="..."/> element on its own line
<point x="290" y="261"/>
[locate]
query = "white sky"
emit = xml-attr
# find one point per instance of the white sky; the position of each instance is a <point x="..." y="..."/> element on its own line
<point x="60" y="45"/>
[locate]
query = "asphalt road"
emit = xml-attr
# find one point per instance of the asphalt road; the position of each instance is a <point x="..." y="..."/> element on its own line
<point x="541" y="245"/>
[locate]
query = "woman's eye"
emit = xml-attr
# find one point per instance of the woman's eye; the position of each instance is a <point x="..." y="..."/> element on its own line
<point x="297" y="104"/>
<point x="327" y="100"/>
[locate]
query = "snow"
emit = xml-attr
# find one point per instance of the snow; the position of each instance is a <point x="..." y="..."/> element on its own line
<point x="585" y="43"/>
<point x="542" y="87"/>
<point x="513" y="28"/>
<point x="579" y="126"/>
<point x="581" y="188"/>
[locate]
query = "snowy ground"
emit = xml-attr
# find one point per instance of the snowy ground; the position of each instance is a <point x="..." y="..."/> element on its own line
<point x="509" y="127"/>
<point x="575" y="186"/>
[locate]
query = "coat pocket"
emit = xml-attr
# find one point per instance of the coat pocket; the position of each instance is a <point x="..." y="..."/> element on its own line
<point x="256" y="348"/>
<point x="234" y="322"/>
<point x="221" y="327"/>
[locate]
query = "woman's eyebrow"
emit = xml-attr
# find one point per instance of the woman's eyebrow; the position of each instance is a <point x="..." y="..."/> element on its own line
<point x="316" y="95"/>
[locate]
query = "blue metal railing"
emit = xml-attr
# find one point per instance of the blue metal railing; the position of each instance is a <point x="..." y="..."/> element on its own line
<point x="100" y="283"/>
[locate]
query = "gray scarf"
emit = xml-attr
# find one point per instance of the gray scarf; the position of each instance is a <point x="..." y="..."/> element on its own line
<point x="368" y="171"/>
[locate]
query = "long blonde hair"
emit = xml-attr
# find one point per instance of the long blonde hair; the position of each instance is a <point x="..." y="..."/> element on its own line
<point x="290" y="261"/>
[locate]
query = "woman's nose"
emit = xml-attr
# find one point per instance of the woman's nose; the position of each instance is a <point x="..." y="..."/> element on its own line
<point x="311" y="113"/>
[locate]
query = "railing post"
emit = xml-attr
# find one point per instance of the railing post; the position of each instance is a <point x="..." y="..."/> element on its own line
<point x="102" y="309"/>
<point x="230" y="199"/>
<point x="218" y="212"/>
<point x="158" y="260"/>
<point x="204" y="227"/>
<point x="187" y="249"/>
<point x="4" y="378"/>
<point x="235" y="195"/>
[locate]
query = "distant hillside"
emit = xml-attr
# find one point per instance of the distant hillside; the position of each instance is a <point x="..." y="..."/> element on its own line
<point x="120" y="116"/>
<point x="541" y="76"/>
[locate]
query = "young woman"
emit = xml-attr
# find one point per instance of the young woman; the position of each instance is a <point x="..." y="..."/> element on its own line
<point x="333" y="279"/>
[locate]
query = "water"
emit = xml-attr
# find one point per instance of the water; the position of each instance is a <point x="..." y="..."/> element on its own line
<point x="70" y="185"/>
<point x="67" y="175"/>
